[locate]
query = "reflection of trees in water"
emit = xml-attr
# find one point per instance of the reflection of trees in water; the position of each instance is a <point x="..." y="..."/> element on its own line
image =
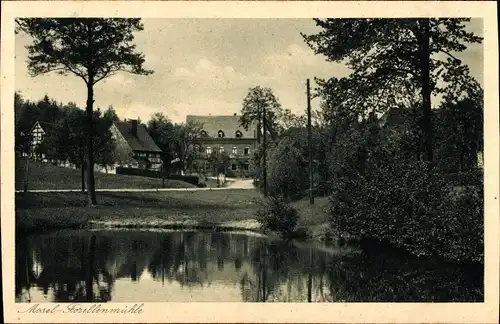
<point x="283" y="273"/>
<point x="23" y="273"/>
<point x="186" y="257"/>
<point x="84" y="267"/>
<point x="179" y="258"/>
<point x="400" y="277"/>
<point x="70" y="276"/>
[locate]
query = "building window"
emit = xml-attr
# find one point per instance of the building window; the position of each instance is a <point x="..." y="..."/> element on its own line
<point x="209" y="150"/>
<point x="203" y="133"/>
<point x="247" y="151"/>
<point x="220" y="134"/>
<point x="246" y="166"/>
<point x="235" y="150"/>
<point x="233" y="167"/>
<point x="221" y="149"/>
<point x="238" y="134"/>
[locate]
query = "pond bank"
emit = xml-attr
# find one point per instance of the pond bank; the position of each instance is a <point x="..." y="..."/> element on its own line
<point x="223" y="210"/>
<point x="250" y="225"/>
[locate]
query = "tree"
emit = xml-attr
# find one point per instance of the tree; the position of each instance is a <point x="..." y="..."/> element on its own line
<point x="219" y="162"/>
<point x="287" y="171"/>
<point x="90" y="48"/>
<point x="187" y="145"/>
<point x="164" y="134"/>
<point x="257" y="101"/>
<point x="65" y="141"/>
<point x="104" y="143"/>
<point x="49" y="110"/>
<point x="110" y="114"/>
<point x="289" y="120"/>
<point x="20" y="131"/>
<point x="391" y="60"/>
<point x="459" y="132"/>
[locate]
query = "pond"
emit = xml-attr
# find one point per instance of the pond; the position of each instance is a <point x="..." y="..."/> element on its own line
<point x="184" y="266"/>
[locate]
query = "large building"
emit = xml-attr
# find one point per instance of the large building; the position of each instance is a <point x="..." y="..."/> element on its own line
<point x="134" y="147"/>
<point x="225" y="134"/>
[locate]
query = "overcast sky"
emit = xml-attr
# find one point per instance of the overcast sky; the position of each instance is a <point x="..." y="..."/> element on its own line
<point x="206" y="66"/>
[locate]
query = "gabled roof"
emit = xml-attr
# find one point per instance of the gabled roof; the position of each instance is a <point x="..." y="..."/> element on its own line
<point x="141" y="142"/>
<point x="35" y="126"/>
<point x="46" y="127"/>
<point x="228" y="124"/>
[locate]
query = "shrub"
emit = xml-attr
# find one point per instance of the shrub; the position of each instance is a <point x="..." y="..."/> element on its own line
<point x="412" y="206"/>
<point x="277" y="215"/>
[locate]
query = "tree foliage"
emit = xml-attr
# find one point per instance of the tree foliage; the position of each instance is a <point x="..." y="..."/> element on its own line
<point x="64" y="126"/>
<point x="258" y="100"/>
<point x="287" y="174"/>
<point x="288" y="120"/>
<point x="219" y="162"/>
<point x="90" y="48"/>
<point x="163" y="133"/>
<point x="393" y="62"/>
<point x="188" y="144"/>
<point x="177" y="141"/>
<point x="460" y="132"/>
<point x="111" y="115"/>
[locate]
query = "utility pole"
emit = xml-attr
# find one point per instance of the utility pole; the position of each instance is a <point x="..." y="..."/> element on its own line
<point x="264" y="171"/>
<point x="309" y="278"/>
<point x="309" y="144"/>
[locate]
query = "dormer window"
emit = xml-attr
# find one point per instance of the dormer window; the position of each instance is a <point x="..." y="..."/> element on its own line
<point x="220" y="134"/>
<point x="203" y="133"/>
<point x="238" y="134"/>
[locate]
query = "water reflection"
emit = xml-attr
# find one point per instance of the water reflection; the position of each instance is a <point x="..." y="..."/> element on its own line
<point x="128" y="266"/>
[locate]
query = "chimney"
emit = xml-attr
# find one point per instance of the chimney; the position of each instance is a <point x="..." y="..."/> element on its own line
<point x="134" y="127"/>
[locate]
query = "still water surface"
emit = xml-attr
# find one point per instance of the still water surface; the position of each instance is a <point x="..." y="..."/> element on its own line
<point x="178" y="266"/>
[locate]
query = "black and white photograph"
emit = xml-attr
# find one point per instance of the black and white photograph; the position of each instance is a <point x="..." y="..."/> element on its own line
<point x="261" y="160"/>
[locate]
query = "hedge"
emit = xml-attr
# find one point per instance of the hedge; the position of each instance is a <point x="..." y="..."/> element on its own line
<point x="194" y="180"/>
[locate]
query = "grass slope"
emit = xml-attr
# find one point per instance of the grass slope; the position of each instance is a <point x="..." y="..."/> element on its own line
<point x="54" y="210"/>
<point x="48" y="176"/>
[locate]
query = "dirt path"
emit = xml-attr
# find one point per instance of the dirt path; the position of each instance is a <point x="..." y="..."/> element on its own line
<point x="240" y="184"/>
<point x="144" y="190"/>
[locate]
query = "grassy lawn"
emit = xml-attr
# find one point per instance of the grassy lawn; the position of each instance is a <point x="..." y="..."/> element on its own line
<point x="68" y="209"/>
<point x="48" y="176"/>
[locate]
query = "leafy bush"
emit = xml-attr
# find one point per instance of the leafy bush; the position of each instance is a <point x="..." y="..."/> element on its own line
<point x="412" y="206"/>
<point x="277" y="215"/>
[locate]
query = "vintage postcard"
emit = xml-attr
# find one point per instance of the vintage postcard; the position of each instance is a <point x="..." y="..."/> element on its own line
<point x="250" y="161"/>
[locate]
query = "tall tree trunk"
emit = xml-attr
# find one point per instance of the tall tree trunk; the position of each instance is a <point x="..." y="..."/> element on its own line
<point x="26" y="172"/>
<point x="92" y="200"/>
<point x="259" y="125"/>
<point x="426" y="125"/>
<point x="83" y="178"/>
<point x="89" y="280"/>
